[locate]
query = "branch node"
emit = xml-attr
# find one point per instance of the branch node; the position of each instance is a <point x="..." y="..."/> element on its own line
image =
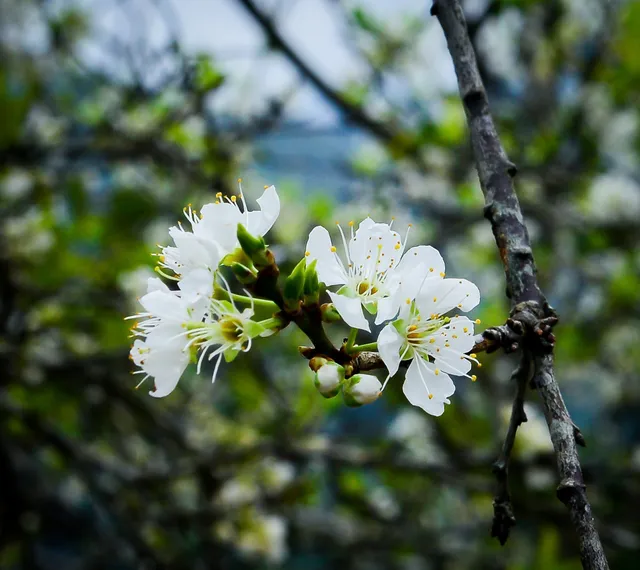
<point x="569" y="488"/>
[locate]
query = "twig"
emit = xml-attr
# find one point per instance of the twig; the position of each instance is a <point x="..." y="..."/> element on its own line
<point x="502" y="209"/>
<point x="393" y="137"/>
<point x="503" y="517"/>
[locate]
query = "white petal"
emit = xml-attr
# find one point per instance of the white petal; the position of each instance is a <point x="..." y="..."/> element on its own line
<point x="269" y="203"/>
<point x="422" y="254"/>
<point x="388" y="307"/>
<point x="330" y="271"/>
<point x="407" y="287"/>
<point x="166" y="381"/>
<point x="219" y="223"/>
<point x="165" y="305"/>
<point x="421" y="381"/>
<point x="155" y="284"/>
<point x="442" y="296"/>
<point x="196" y="284"/>
<point x="373" y="248"/>
<point x="350" y="310"/>
<point x="389" y="344"/>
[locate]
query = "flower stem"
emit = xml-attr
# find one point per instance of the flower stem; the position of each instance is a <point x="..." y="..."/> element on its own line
<point x="351" y="340"/>
<point x="257" y="302"/>
<point x="361" y="347"/>
<point x="273" y="323"/>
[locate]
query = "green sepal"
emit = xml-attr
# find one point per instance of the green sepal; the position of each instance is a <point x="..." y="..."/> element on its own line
<point x="311" y="284"/>
<point x="253" y="328"/>
<point x="329" y="313"/>
<point x="230" y="354"/>
<point x="294" y="286"/>
<point x="254" y="247"/>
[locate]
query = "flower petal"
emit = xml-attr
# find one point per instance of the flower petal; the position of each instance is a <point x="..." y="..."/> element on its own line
<point x="390" y="342"/>
<point x="330" y="270"/>
<point x="442" y="296"/>
<point x="422" y="254"/>
<point x="156" y="284"/>
<point x="168" y="377"/>
<point x="407" y="288"/>
<point x="196" y="284"/>
<point x="421" y="380"/>
<point x="219" y="224"/>
<point x="165" y="305"/>
<point x="260" y="222"/>
<point x="350" y="310"/>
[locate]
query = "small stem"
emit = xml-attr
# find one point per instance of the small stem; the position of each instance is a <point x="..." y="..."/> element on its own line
<point x="273" y="322"/>
<point x="257" y="302"/>
<point x="361" y="348"/>
<point x="353" y="333"/>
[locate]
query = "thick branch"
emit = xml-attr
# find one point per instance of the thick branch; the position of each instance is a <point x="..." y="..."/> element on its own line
<point x="503" y="517"/>
<point x="502" y="209"/>
<point x="495" y="170"/>
<point x="572" y="490"/>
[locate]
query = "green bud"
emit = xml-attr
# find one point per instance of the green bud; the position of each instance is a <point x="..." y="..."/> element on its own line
<point x="329" y="313"/>
<point x="243" y="273"/>
<point x="311" y="284"/>
<point x="294" y="286"/>
<point x="253" y="246"/>
<point x="361" y="389"/>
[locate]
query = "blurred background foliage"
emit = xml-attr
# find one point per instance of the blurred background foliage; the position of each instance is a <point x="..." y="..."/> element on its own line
<point x="113" y="118"/>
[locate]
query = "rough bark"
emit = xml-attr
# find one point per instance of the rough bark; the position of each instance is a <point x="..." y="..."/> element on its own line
<point x="502" y="209"/>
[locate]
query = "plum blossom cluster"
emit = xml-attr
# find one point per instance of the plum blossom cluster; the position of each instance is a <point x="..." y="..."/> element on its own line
<point x="370" y="279"/>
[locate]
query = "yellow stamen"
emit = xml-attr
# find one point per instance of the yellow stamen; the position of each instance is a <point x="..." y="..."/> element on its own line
<point x="474" y="378"/>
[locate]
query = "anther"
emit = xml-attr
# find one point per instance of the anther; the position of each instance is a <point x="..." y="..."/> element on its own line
<point x="474" y="378"/>
<point x="333" y="249"/>
<point x="307" y="253"/>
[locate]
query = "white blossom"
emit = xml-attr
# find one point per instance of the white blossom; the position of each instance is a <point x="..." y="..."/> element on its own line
<point x="376" y="272"/>
<point x="177" y="325"/>
<point x="213" y="232"/>
<point x="437" y="345"/>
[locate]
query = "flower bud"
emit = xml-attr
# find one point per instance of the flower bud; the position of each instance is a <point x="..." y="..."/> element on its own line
<point x="361" y="389"/>
<point x="329" y="376"/>
<point x="253" y="246"/>
<point x="293" y="286"/>
<point x="311" y="284"/>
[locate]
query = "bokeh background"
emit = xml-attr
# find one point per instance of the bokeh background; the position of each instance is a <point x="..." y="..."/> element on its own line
<point x="114" y="114"/>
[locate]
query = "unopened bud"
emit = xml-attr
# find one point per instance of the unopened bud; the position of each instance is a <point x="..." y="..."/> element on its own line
<point x="329" y="376"/>
<point x="253" y="246"/>
<point x="361" y="389"/>
<point x="293" y="286"/>
<point x="311" y="284"/>
<point x="329" y="313"/>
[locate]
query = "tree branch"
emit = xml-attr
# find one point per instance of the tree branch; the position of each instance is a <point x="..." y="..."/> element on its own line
<point x="503" y="517"/>
<point x="384" y="132"/>
<point x="502" y="209"/>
